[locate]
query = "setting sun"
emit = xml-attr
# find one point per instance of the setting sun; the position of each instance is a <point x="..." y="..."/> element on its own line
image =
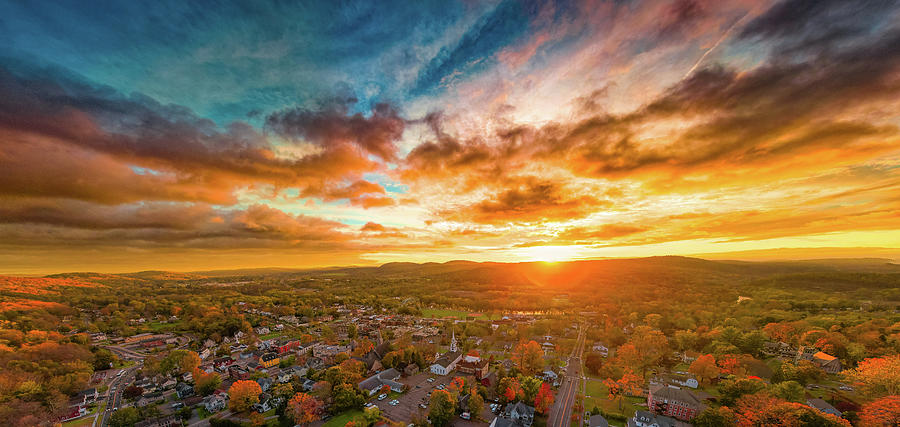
<point x="550" y="253"/>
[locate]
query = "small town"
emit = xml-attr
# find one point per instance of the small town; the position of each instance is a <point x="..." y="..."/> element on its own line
<point x="353" y="365"/>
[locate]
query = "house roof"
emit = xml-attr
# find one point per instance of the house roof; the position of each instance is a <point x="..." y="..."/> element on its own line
<point x="447" y="358"/>
<point x="598" y="421"/>
<point x="823" y="406"/>
<point x="669" y="393"/>
<point x="824" y="356"/>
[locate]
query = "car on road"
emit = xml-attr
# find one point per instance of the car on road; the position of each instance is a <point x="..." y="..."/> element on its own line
<point x="431" y="380"/>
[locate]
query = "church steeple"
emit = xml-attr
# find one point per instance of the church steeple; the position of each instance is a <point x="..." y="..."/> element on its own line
<point x="453" y="345"/>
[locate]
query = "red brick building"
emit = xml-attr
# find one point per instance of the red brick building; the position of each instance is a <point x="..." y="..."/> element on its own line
<point x="673" y="402"/>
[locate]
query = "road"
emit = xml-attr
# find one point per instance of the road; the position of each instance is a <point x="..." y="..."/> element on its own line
<point x="561" y="412"/>
<point x="114" y="398"/>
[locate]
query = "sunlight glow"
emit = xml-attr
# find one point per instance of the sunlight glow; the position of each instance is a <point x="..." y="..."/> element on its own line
<point x="550" y="253"/>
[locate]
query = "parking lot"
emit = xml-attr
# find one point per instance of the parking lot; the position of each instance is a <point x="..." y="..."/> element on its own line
<point x="418" y="393"/>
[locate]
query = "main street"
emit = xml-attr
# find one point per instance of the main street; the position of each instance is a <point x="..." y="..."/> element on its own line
<point x="561" y="412"/>
<point x="114" y="394"/>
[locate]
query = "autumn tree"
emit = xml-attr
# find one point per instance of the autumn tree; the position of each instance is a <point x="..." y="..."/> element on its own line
<point x="371" y="415"/>
<point x="180" y="361"/>
<point x="304" y="409"/>
<point x="594" y="363"/>
<point x="876" y="377"/>
<point x="529" y="357"/>
<point x="441" y="409"/>
<point x="205" y="384"/>
<point x="629" y="384"/>
<point x="243" y="394"/>
<point x="476" y="404"/>
<point x="884" y="412"/>
<point x="644" y="350"/>
<point x="722" y="416"/>
<point x="530" y="387"/>
<point x="760" y="410"/>
<point x="510" y="389"/>
<point x="544" y="399"/>
<point x="704" y="368"/>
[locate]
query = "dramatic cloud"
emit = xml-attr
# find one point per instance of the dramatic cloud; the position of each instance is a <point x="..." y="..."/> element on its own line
<point x="326" y="135"/>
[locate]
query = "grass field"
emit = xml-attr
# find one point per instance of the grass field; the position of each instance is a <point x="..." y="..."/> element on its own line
<point x="459" y="314"/>
<point x="599" y="397"/>
<point x="342" y="419"/>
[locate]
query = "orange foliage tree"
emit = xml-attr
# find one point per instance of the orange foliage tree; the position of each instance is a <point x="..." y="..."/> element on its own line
<point x="877" y="377"/>
<point x="529" y="357"/>
<point x="629" y="384"/>
<point x="761" y="410"/>
<point x="884" y="412"/>
<point x="705" y="368"/>
<point x="242" y="395"/>
<point x="544" y="399"/>
<point x="304" y="409"/>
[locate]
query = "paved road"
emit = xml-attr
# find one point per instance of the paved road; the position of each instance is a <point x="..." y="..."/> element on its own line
<point x="561" y="412"/>
<point x="114" y="398"/>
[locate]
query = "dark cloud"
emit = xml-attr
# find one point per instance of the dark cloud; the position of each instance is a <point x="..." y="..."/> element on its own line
<point x="679" y="17"/>
<point x="45" y="222"/>
<point x="107" y="147"/>
<point x="528" y="199"/>
<point x="810" y="26"/>
<point x="375" y="134"/>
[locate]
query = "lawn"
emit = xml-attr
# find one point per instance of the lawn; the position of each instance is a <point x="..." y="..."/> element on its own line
<point x="85" y="421"/>
<point x="599" y="397"/>
<point x="271" y="335"/>
<point x="342" y="419"/>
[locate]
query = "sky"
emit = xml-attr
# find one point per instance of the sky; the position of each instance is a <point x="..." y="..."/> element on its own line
<point x="180" y="135"/>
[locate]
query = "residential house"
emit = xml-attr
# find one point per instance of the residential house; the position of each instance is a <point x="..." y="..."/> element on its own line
<point x="166" y="421"/>
<point x="823" y="406"/>
<point x="88" y="396"/>
<point x="269" y="359"/>
<point x="184" y="390"/>
<point x="265" y="404"/>
<point x="411" y="369"/>
<point x="827" y="362"/>
<point x="519" y="413"/>
<point x="215" y="402"/>
<point x="388" y="378"/>
<point x="597" y="421"/>
<point x="600" y="348"/>
<point x="265" y="383"/>
<point x="673" y="401"/>
<point x="649" y="419"/>
<point x="148" y="399"/>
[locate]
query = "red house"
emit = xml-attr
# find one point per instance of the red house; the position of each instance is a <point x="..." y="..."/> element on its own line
<point x="673" y="402"/>
<point x="289" y="345"/>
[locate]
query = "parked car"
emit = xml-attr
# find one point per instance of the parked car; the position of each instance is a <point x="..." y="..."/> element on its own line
<point x="423" y="406"/>
<point x="382" y="396"/>
<point x="465" y="416"/>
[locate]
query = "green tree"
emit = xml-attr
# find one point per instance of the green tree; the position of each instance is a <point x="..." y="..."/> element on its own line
<point x="125" y="417"/>
<point x="715" y="417"/>
<point x="441" y="409"/>
<point x="791" y="391"/>
<point x="476" y="404"/>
